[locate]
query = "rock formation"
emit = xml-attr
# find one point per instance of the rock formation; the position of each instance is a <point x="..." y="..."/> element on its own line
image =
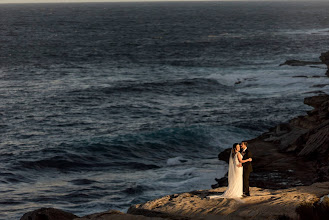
<point x="263" y="204"/>
<point x="300" y="63"/>
<point x="325" y="59"/>
<point x="294" y="153"/>
<point x="48" y="214"/>
<point x="293" y="203"/>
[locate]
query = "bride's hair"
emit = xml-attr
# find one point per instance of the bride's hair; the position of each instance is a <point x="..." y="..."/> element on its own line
<point x="233" y="149"/>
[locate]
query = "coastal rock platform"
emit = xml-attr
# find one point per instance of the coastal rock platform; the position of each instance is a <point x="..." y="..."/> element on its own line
<point x="262" y="204"/>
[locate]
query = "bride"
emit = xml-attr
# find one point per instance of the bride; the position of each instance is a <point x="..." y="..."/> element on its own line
<point x="235" y="173"/>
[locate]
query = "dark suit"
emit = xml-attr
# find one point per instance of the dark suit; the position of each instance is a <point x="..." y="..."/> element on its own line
<point x="247" y="169"/>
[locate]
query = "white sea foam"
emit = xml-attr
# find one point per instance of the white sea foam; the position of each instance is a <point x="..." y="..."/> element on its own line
<point x="321" y="31"/>
<point x="274" y="82"/>
<point x="177" y="161"/>
<point x="235" y="77"/>
<point x="199" y="175"/>
<point x="181" y="173"/>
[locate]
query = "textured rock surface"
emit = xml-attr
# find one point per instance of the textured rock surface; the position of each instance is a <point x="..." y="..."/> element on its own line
<point x="262" y="204"/>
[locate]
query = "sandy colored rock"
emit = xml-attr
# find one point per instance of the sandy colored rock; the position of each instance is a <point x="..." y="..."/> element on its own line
<point x="262" y="204"/>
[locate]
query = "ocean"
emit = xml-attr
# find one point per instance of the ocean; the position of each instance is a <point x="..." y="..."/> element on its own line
<point x="106" y="105"/>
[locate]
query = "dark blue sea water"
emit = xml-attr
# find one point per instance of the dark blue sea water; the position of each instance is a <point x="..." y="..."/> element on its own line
<point x="107" y="105"/>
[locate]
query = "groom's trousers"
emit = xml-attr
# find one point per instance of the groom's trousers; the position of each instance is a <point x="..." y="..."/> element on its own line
<point x="246" y="183"/>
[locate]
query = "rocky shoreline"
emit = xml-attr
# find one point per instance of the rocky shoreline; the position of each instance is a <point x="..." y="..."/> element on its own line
<point x="303" y="202"/>
<point x="291" y="154"/>
<point x="290" y="179"/>
<point x="324" y="60"/>
<point x="291" y="168"/>
<point x="263" y="204"/>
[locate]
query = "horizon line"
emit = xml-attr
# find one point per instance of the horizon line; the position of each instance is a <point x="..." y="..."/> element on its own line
<point x="128" y="1"/>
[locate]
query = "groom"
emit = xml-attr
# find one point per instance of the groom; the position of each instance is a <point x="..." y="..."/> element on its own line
<point x="247" y="168"/>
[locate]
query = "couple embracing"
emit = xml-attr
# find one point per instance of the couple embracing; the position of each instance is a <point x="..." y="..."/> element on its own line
<point x="238" y="172"/>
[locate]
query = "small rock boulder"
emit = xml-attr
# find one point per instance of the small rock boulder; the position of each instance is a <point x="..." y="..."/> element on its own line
<point x="316" y="101"/>
<point x="325" y="58"/>
<point x="48" y="214"/>
<point x="225" y="155"/>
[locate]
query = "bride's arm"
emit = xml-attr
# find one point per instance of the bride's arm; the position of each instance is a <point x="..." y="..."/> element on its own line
<point x="243" y="161"/>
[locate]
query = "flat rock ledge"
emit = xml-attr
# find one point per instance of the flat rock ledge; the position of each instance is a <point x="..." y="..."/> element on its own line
<point x="283" y="204"/>
<point x="262" y="204"/>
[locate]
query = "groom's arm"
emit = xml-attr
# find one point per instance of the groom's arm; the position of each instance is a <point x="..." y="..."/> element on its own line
<point x="247" y="156"/>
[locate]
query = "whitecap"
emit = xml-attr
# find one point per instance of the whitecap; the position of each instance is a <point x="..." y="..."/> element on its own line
<point x="176" y="161"/>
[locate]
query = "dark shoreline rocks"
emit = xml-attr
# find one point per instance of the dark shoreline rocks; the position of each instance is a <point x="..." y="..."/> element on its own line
<point x="290" y="178"/>
<point x="300" y="63"/>
<point x="291" y="154"/>
<point x="48" y="214"/>
<point x="324" y="60"/>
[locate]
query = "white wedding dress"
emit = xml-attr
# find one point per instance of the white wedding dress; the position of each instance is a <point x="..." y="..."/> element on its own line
<point x="235" y="181"/>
